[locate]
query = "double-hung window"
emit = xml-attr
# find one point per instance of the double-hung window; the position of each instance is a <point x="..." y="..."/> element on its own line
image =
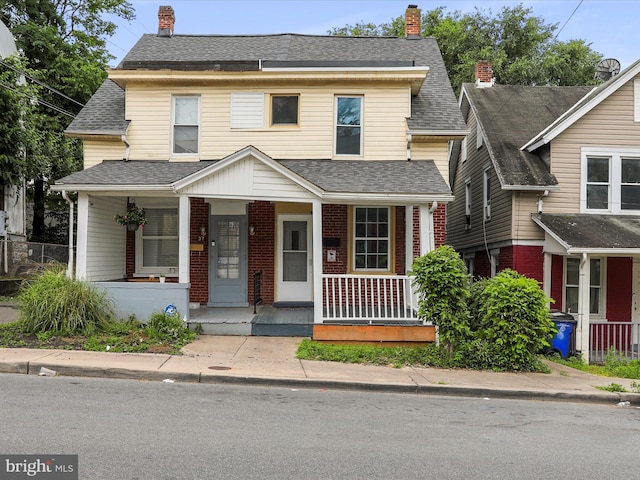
<point x="467" y="204"/>
<point x="487" y="193"/>
<point x="372" y="238"/>
<point x="611" y="181"/>
<point x="186" y="124"/>
<point x="572" y="277"/>
<point x="348" y="135"/>
<point x="157" y="242"/>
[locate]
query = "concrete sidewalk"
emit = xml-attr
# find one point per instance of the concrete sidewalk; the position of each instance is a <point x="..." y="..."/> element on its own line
<point x="272" y="361"/>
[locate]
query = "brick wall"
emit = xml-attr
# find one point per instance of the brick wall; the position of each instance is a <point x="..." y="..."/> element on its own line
<point x="262" y="216"/>
<point x="527" y="260"/>
<point x="199" y="260"/>
<point x="334" y="226"/>
<point x="400" y="247"/>
<point x="440" y="224"/>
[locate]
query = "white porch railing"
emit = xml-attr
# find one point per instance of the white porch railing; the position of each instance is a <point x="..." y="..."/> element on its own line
<point x="369" y="299"/>
<point x="624" y="337"/>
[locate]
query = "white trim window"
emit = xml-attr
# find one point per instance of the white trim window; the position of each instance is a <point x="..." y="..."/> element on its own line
<point x="486" y="193"/>
<point x="185" y="121"/>
<point x="372" y="238"/>
<point x="467" y="204"/>
<point x="157" y="242"/>
<point x="572" y="278"/>
<point x="463" y="150"/>
<point x="348" y="132"/>
<point x="611" y="181"/>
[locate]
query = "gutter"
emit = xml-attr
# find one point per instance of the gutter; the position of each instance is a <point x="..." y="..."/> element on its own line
<point x="71" y="212"/>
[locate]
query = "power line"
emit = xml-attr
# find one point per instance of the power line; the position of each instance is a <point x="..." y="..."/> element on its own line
<point x="570" y="17"/>
<point x="40" y="101"/>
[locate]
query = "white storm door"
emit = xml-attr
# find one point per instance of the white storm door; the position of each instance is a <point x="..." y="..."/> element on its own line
<point x="295" y="276"/>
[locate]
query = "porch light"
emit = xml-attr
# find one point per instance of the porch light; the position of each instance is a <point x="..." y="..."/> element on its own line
<point x="252" y="230"/>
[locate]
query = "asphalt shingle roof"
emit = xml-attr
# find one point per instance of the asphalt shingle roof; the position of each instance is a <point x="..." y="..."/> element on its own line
<point x="510" y="115"/>
<point x="380" y="177"/>
<point x="103" y="113"/>
<point x="434" y="108"/>
<point x="588" y="231"/>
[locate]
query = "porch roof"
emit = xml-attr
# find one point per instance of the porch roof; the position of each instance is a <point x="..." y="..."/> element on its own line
<point x="329" y="179"/>
<point x="589" y="233"/>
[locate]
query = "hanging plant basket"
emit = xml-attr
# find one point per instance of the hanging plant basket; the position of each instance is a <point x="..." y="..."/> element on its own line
<point x="133" y="218"/>
<point x="132" y="227"/>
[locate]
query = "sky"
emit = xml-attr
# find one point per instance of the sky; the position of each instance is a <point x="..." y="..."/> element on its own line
<point x="609" y="26"/>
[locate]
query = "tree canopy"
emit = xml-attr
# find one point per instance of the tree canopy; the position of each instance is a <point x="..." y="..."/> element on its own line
<point x="62" y="61"/>
<point x="523" y="48"/>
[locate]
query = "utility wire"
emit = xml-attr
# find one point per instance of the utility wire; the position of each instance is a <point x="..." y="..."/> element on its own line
<point x="40" y="101"/>
<point x="570" y="17"/>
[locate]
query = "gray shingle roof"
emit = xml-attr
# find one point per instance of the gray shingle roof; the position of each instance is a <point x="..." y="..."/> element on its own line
<point x="434" y="108"/>
<point x="510" y="115"/>
<point x="336" y="176"/>
<point x="402" y="177"/>
<point x="587" y="231"/>
<point x="103" y="113"/>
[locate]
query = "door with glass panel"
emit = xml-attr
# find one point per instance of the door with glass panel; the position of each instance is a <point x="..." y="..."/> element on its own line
<point x="294" y="259"/>
<point x="228" y="261"/>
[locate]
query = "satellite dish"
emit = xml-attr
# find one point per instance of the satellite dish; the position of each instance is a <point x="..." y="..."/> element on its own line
<point x="607" y="68"/>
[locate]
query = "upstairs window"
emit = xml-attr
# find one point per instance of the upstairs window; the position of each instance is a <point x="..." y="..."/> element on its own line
<point x="348" y="126"/>
<point x="467" y="205"/>
<point x="487" y="193"/>
<point x="611" y="181"/>
<point x="372" y="238"/>
<point x="284" y="110"/>
<point x="186" y="124"/>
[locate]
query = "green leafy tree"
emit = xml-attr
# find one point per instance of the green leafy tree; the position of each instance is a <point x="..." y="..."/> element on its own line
<point x="63" y="43"/>
<point x="442" y="284"/>
<point x="522" y="47"/>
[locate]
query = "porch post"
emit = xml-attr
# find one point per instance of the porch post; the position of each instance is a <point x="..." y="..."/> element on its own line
<point x="546" y="274"/>
<point x="584" y="290"/>
<point x="408" y="237"/>
<point x="426" y="230"/>
<point x="184" y="239"/>
<point x="317" y="260"/>
<point x="81" y="240"/>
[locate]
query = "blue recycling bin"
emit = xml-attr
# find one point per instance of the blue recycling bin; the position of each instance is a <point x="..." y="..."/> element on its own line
<point x="564" y="341"/>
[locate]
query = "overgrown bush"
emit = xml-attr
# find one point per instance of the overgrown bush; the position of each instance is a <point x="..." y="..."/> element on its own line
<point x="442" y="283"/>
<point x="168" y="326"/>
<point x="513" y="316"/>
<point x="53" y="302"/>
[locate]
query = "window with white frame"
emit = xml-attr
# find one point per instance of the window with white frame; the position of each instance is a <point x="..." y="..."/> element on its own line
<point x="463" y="150"/>
<point x="479" y="138"/>
<point x="371" y="238"/>
<point x="572" y="278"/>
<point x="157" y="242"/>
<point x="186" y="124"/>
<point x="467" y="204"/>
<point x="348" y="134"/>
<point x="486" y="193"/>
<point x="611" y="181"/>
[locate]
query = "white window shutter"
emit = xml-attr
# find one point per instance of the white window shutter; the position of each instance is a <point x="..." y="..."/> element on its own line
<point x="247" y="110"/>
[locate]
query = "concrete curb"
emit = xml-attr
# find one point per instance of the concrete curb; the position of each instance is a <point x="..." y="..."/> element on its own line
<point x="598" y="397"/>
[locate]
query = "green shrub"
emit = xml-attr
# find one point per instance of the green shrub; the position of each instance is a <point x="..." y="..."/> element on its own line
<point x="166" y="325"/>
<point x="442" y="283"/>
<point x="53" y="302"/>
<point x="514" y="316"/>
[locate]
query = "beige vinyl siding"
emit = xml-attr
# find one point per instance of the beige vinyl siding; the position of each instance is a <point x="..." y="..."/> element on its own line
<point x="95" y="151"/>
<point x="523" y="228"/>
<point x="609" y="125"/>
<point x="384" y="126"/>
<point x="498" y="228"/>
<point x="436" y="151"/>
<point x="105" y="239"/>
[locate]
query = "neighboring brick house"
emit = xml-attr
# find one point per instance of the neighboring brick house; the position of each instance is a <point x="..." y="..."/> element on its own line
<point x="548" y="184"/>
<point x="319" y="161"/>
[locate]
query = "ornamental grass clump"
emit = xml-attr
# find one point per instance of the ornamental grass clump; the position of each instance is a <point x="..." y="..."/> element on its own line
<point x="53" y="302"/>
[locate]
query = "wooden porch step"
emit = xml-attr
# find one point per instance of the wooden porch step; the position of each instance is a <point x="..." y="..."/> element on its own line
<point x="391" y="334"/>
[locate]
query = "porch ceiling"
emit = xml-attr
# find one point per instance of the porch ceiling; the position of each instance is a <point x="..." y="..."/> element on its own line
<point x="588" y="233"/>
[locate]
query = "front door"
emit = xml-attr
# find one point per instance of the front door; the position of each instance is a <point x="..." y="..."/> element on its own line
<point x="228" y="261"/>
<point x="294" y="259"/>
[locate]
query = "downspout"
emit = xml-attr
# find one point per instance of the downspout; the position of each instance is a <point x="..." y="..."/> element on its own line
<point x="71" y="212"/>
<point x="409" y="147"/>
<point x="127" y="149"/>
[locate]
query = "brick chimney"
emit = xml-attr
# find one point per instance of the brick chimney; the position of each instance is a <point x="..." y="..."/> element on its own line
<point x="412" y="25"/>
<point x="484" y="73"/>
<point x="166" y="21"/>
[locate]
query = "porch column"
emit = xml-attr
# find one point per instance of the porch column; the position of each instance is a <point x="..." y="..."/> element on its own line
<point x="408" y="237"/>
<point x="81" y="240"/>
<point x="184" y="239"/>
<point x="546" y="274"/>
<point x="584" y="291"/>
<point x="317" y="260"/>
<point x="427" y="240"/>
